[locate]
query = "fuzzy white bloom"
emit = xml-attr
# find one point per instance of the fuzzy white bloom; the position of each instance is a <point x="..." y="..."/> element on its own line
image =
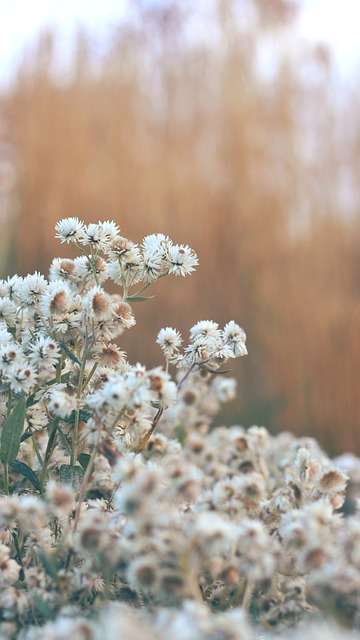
<point x="7" y="311"/>
<point x="69" y="230"/>
<point x="36" y="418"/>
<point x="56" y="299"/>
<point x="60" y="401"/>
<point x="169" y="340"/>
<point x="156" y="243"/>
<point x="83" y="271"/>
<point x="95" y="235"/>
<point x="62" y="269"/>
<point x="129" y="271"/>
<point x="110" y="230"/>
<point x="235" y="337"/>
<point x="5" y="336"/>
<point x="182" y="260"/>
<point x="44" y="352"/>
<point x="10" y="355"/>
<point x="224" y="388"/>
<point x="32" y="289"/>
<point x="97" y="304"/>
<point x="14" y="285"/>
<point x="21" y="376"/>
<point x="153" y="266"/>
<point x="119" y="249"/>
<point x="205" y="329"/>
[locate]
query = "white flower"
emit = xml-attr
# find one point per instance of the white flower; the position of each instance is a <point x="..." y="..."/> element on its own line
<point x="44" y="352"/>
<point x="130" y="269"/>
<point x="95" y="235"/>
<point x="83" y="271"/>
<point x="169" y="340"/>
<point x="153" y="266"/>
<point x="35" y="418"/>
<point x="111" y="230"/>
<point x="235" y="337"/>
<point x="7" y="311"/>
<point x="204" y="329"/>
<point x="97" y="304"/>
<point x="119" y="248"/>
<point x="182" y="260"/>
<point x="69" y="230"/>
<point x="13" y="286"/>
<point x="224" y="388"/>
<point x="156" y="243"/>
<point x="21" y="377"/>
<point x="115" y="393"/>
<point x="62" y="269"/>
<point x="5" y="336"/>
<point x="61" y="402"/>
<point x="56" y="299"/>
<point x="10" y="354"/>
<point x="33" y="286"/>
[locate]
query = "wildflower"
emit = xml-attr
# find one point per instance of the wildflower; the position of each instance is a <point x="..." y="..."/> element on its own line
<point x="5" y="336"/>
<point x="56" y="299"/>
<point x="62" y="269"/>
<point x="14" y="285"/>
<point x="119" y="249"/>
<point x="205" y="329"/>
<point x="95" y="235"/>
<point x="9" y="569"/>
<point x="69" y="230"/>
<point x="235" y="338"/>
<point x="123" y="313"/>
<point x="84" y="269"/>
<point x="182" y="260"/>
<point x="44" y="352"/>
<point x="10" y="355"/>
<point x="169" y="340"/>
<point x="97" y="304"/>
<point x="21" y="377"/>
<point x="36" y="419"/>
<point x="32" y="289"/>
<point x="61" y="400"/>
<point x="7" y="311"/>
<point x="110" y="230"/>
<point x="152" y="267"/>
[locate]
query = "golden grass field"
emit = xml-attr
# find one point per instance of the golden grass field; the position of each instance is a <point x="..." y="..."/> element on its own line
<point x="190" y="140"/>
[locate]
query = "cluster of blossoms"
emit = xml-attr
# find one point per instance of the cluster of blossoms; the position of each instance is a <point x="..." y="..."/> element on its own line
<point x="111" y="525"/>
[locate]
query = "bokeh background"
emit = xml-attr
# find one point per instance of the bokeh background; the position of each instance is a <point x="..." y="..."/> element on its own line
<point x="215" y="123"/>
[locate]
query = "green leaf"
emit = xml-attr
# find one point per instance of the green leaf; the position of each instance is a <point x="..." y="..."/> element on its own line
<point x="11" y="432"/>
<point x="72" y="475"/>
<point x="138" y="298"/>
<point x="84" y="458"/>
<point x="48" y="563"/>
<point x="43" y="607"/>
<point x="69" y="353"/>
<point x="180" y="433"/>
<point x="28" y="473"/>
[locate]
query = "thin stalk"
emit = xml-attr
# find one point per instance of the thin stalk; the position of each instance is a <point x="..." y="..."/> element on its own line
<point x="77" y="411"/>
<point x="49" y="451"/>
<point x="85" y="481"/>
<point x="145" y="439"/>
<point x="37" y="451"/>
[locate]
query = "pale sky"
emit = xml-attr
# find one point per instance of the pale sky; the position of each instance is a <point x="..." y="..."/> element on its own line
<point x="333" y="22"/>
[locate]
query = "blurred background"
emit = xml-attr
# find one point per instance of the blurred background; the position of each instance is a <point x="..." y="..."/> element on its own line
<point x="231" y="125"/>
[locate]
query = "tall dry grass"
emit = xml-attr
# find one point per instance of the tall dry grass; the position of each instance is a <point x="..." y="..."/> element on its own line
<point x="175" y="134"/>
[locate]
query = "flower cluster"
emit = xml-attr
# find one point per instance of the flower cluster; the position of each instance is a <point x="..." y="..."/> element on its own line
<point x="124" y="511"/>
